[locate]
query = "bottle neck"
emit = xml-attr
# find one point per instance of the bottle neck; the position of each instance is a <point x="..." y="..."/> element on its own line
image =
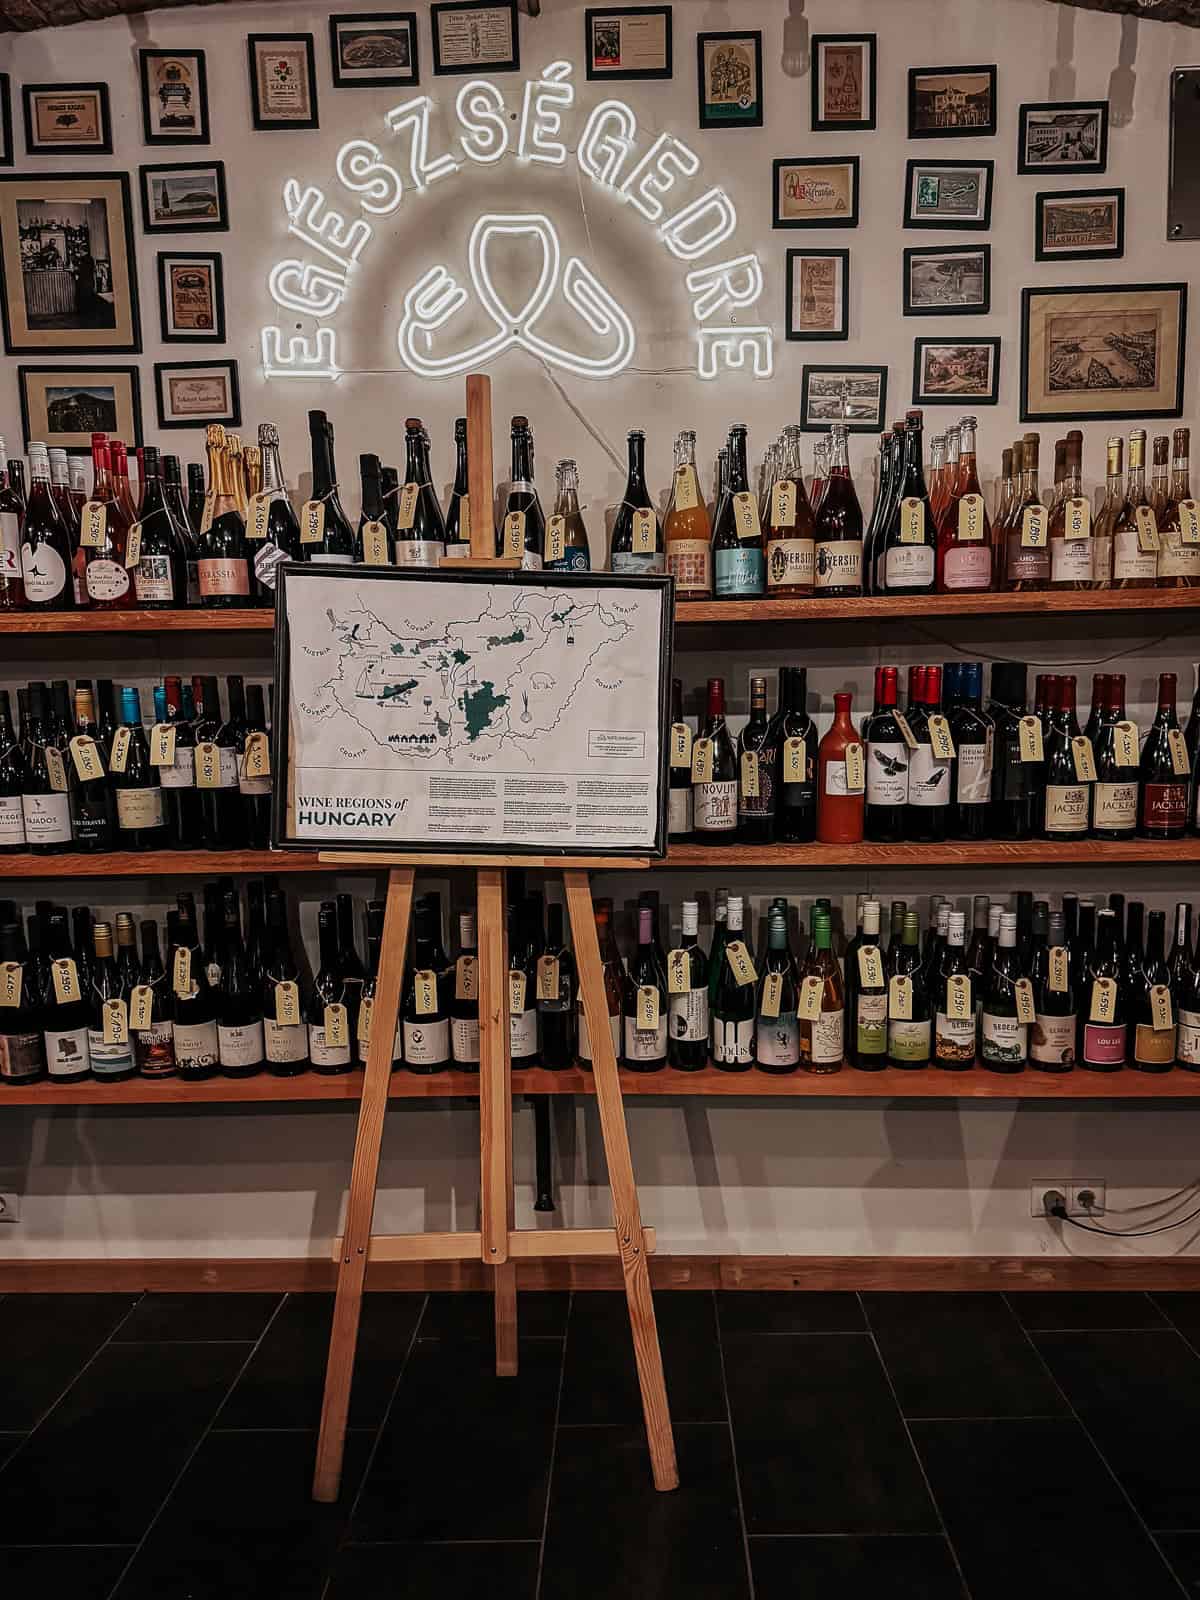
<point x="739" y="483"/>
<point x="522" y="460"/>
<point x="323" y="469"/>
<point x="461" y="474"/>
<point x="636" y="478"/>
<point x="272" y="469"/>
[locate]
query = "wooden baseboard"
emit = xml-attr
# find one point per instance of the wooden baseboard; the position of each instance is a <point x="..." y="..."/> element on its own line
<point x="240" y="1275"/>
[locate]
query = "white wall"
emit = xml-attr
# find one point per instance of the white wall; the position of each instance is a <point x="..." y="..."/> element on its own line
<point x="754" y="1177"/>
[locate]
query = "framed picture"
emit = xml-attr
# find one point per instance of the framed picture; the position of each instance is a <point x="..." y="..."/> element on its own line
<point x="843" y="81"/>
<point x="1083" y="224"/>
<point x="628" y="42"/>
<point x="949" y="278"/>
<point x="1102" y="352"/>
<point x="467" y="37"/>
<point x="67" y="119"/>
<point x="951" y="102"/>
<point x="374" y="50"/>
<point x="815" y="193"/>
<point x="1063" y="136"/>
<point x="947" y="372"/>
<point x="191" y="297"/>
<point x="174" y="96"/>
<point x="948" y="194"/>
<point x="730" y="78"/>
<point x="68" y="282"/>
<point x="818" y="293"/>
<point x="856" y="396"/>
<point x="64" y="406"/>
<point x="6" y="137"/>
<point x="184" y="197"/>
<point x="283" y="80"/>
<point x="191" y="394"/>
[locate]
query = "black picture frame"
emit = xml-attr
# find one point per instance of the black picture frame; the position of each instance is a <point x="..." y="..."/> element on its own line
<point x="750" y="119"/>
<point x="162" y="368"/>
<point x="264" y="123"/>
<point x="446" y="69"/>
<point x="912" y="255"/>
<point x="7" y="154"/>
<point x="823" y="124"/>
<point x="132" y="374"/>
<point x="201" y="137"/>
<point x="843" y="329"/>
<point x="383" y="79"/>
<point x="949" y="224"/>
<point x="1078" y="196"/>
<point x="971" y="131"/>
<point x="1095" y="166"/>
<point x="610" y="74"/>
<point x="921" y="397"/>
<point x="854" y="163"/>
<point x="162" y="263"/>
<point x="875" y="425"/>
<point x="203" y="225"/>
<point x="29" y="91"/>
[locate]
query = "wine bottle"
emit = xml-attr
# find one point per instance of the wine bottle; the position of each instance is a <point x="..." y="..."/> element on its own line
<point x="822" y="1031"/>
<point x="687" y="998"/>
<point x="458" y="512"/>
<point x="556" y="996"/>
<point x="373" y="543"/>
<point x="22" y="1052"/>
<point x="930" y="764"/>
<point x="867" y="996"/>
<point x="841" y="787"/>
<point x="1158" y="475"/>
<point x="791" y="527"/>
<point x="254" y="765"/>
<point x="1178" y="528"/>
<point x="90" y="795"/>
<point x="217" y="761"/>
<point x="1151" y="1008"/>
<point x="838" y="527"/>
<point x="954" y="1042"/>
<point x="910" y="540"/>
<point x="272" y="529"/>
<point x="1052" y="1040"/>
<point x="240" y="1045"/>
<point x="45" y="802"/>
<point x="1179" y="960"/>
<point x="687" y="531"/>
<point x="362" y="1041"/>
<point x="151" y="1016"/>
<point x="886" y="500"/>
<point x="610" y="958"/>
<point x="1102" y="1002"/>
<point x="777" y="1022"/>
<point x="758" y="769"/>
<point x="140" y="822"/>
<point x="714" y="773"/>
<point x="1164" y="771"/>
<point x="420" y="528"/>
<point x="735" y="1004"/>
<point x="964" y="529"/>
<point x="522" y="989"/>
<point x="679" y="773"/>
<point x="65" y="1008"/>
<point x="104" y="530"/>
<point x="910" y="1023"/>
<point x="197" y="1052"/>
<point x="1070" y="529"/>
<point x="1187" y="1013"/>
<point x="1027" y="556"/>
<point x="1067" y="785"/>
<point x="523" y="529"/>
<point x="326" y="536"/>
<point x="644" y="1007"/>
<point x="796" y="740"/>
<point x="737" y="542"/>
<point x="1134" y="529"/>
<point x="973" y="734"/>
<point x="222" y="553"/>
<point x="285" y="1033"/>
<point x="464" y="1002"/>
<point x="1132" y="954"/>
<point x="110" y="1049"/>
<point x="887" y="763"/>
<point x="1115" y="750"/>
<point x="980" y="949"/>
<point x="1004" y="1038"/>
<point x="12" y="782"/>
<point x="175" y="757"/>
<point x="330" y="1025"/>
<point x="566" y="536"/>
<point x="45" y="542"/>
<point x="160" y="571"/>
<point x="60" y="488"/>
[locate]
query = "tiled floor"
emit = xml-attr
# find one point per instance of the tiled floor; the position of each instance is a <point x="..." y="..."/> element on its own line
<point x="896" y="1447"/>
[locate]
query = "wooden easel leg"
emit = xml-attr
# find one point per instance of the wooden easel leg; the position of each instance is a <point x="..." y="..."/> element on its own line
<point x="495" y="1112"/>
<point x="364" y="1175"/>
<point x="627" y="1216"/>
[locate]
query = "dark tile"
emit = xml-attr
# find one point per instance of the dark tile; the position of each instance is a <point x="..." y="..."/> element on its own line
<point x="821" y="1447"/>
<point x="959" y="1355"/>
<point x="540" y="1315"/>
<point x="84" y="1572"/>
<point x="1031" y="1511"/>
<point x="1182" y="1551"/>
<point x="1138" y="1395"/>
<point x="435" y="1572"/>
<point x="788" y="1311"/>
<point x="199" y="1316"/>
<point x="47" y="1338"/>
<point x="904" y="1568"/>
<point x="1182" y="1308"/>
<point x="1070" y="1311"/>
<point x="98" y="1467"/>
<point x="611" y="1536"/>
<point x="241" y="1521"/>
<point x="283" y="1385"/>
<point x="464" y="1454"/>
<point x="600" y="1382"/>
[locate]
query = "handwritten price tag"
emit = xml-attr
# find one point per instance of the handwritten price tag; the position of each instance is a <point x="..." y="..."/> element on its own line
<point x="256" y="762"/>
<point x="681" y="745"/>
<point x="516" y="993"/>
<point x="366" y="1011"/>
<point x="647" y="1008"/>
<point x="1023" y="995"/>
<point x="556" y="538"/>
<point x="133" y="545"/>
<point x="645" y="532"/>
<point x="678" y="971"/>
<point x="1125" y="744"/>
<point x="547" y="978"/>
<point x="772" y="994"/>
<point x="959" y="1005"/>
<point x="1034" y="528"/>
<point x="514" y="533"/>
<point x="1059" y="966"/>
<point x="87" y="758"/>
<point x="312" y="522"/>
<point x="750" y="774"/>
<point x="1149" y="542"/>
<point x="912" y="521"/>
<point x="258" y="515"/>
<point x="783" y="512"/>
<point x="1081" y="755"/>
<point x="56" y="769"/>
<point x="940" y="741"/>
<point x="812" y="989"/>
<point x="971" y="521"/>
<point x="740" y="963"/>
<point x="181" y="970"/>
<point x="687" y="490"/>
<point x="162" y="744"/>
<point x="466" y="978"/>
<point x="11" y="975"/>
<point x="118" y="756"/>
<point x="702" y="761"/>
<point x="406" y="510"/>
<point x="1104" y="1000"/>
<point x="795" y="761"/>
<point x="906" y="732"/>
<point x="375" y="544"/>
<point x="115" y="1022"/>
<point x="141" y="1006"/>
<point x="856" y="769"/>
<point x="870" y="966"/>
<point x="745" y="515"/>
<point x="337" y="1026"/>
<point x="1181" y="766"/>
<point x="1029" y="735"/>
<point x="1078" y="521"/>
<point x="93" y="521"/>
<point x="425" y="993"/>
<point x="208" y="766"/>
<point x="287" y="1004"/>
<point x="66" y="980"/>
<point x="1189" y="522"/>
<point x="1162" y="1016"/>
<point x="900" y="998"/>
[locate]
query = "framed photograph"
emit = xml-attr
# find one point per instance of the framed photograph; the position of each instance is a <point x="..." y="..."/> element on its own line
<point x="856" y="396"/>
<point x="374" y="50"/>
<point x="68" y="281"/>
<point x="184" y="197"/>
<point x="468" y="37"/>
<point x="947" y="372"/>
<point x="843" y="81"/>
<point x="948" y="194"/>
<point x="814" y="193"/>
<point x="730" y="79"/>
<point x="1063" y="136"/>
<point x="191" y="394"/>
<point x="283" y="80"/>
<point x="174" y="97"/>
<point x="67" y="119"/>
<point x="951" y="102"/>
<point x="1083" y="224"/>
<point x="818" y="293"/>
<point x="629" y="42"/>
<point x="6" y="134"/>
<point x="65" y="405"/>
<point x="951" y="278"/>
<point x="1102" y="352"/>
<point x="191" y="297"/>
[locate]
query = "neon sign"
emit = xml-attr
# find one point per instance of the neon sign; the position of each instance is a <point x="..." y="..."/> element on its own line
<point x="654" y="184"/>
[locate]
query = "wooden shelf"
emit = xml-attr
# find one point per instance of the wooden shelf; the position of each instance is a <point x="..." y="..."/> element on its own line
<point x="164" y="863"/>
<point x="196" y="620"/>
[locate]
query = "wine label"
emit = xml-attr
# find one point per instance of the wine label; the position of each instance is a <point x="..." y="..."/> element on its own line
<point x="87" y="757"/>
<point x="679" y="969"/>
<point x="141" y="1006"/>
<point x="1078" y="518"/>
<point x="1125" y="744"/>
<point x="740" y="963"/>
<point x="556" y="538"/>
<point x="65" y="977"/>
<point x="715" y="807"/>
<point x="1066" y="808"/>
<point x="44" y="572"/>
<point x="547" y="978"/>
<point x="11" y="975"/>
<point x="967" y="566"/>
<point x="375" y="544"/>
<point x="1153" y="1047"/>
<point x="1070" y="560"/>
<point x="783" y="504"/>
<point x="1081" y="755"/>
<point x="645" y="532"/>
<point x="106" y="580"/>
<point x="66" y="1051"/>
<point x="1187" y="1045"/>
<point x="114" y="1021"/>
<point x="1004" y="1041"/>
<point x="425" y="995"/>
<point x="181" y="970"/>
<point x="406" y="505"/>
<point x="1180" y="765"/>
<point x="745" y="515"/>
<point x="12" y="821"/>
<point x="679" y="811"/>
<point x="870" y="966"/>
<point x="928" y="778"/>
<point x="971" y="521"/>
<point x="1147" y="530"/>
<point x="323" y="1052"/>
<point x="912" y="521"/>
<point x="687" y="489"/>
<point x="224" y="576"/>
<point x="645" y="1044"/>
<point x="139" y="808"/>
<point x="240" y="1044"/>
<point x="689" y="561"/>
<point x="870" y="1025"/>
<point x="647" y="1007"/>
<point x="856" y="769"/>
<point x="1189" y="522"/>
<point x="1175" y="560"/>
<point x="285" y="1043"/>
<point x="687" y="1015"/>
<point x="466" y="978"/>
<point x="772" y="994"/>
<point x="1034" y="528"/>
<point x="749" y="766"/>
<point x="514" y="533"/>
<point x="1052" y="1042"/>
<point x="1059" y="958"/>
<point x="208" y="766"/>
<point x="1161" y="1014"/>
<point x="900" y="997"/>
<point x="940" y="741"/>
<point x="93" y="522"/>
<point x="795" y="761"/>
<point x="827" y="1039"/>
<point x="424" y="553"/>
<point x="974" y="784"/>
<point x="464" y="1041"/>
<point x="1029" y="735"/>
<point x="312" y="522"/>
<point x="516" y="994"/>
<point x="908" y="1041"/>
<point x="1129" y="559"/>
<point x="681" y="745"/>
<point x="1165" y="805"/>
<point x="702" y="761"/>
<point x="1023" y="994"/>
<point x="739" y="572"/>
<point x="20" y="1053"/>
<point x="1103" y="1007"/>
<point x="287" y="1004"/>
<point x="812" y="991"/>
<point x="908" y="566"/>
<point x="887" y="773"/>
<point x="56" y="769"/>
<point x="777" y="1044"/>
<point x="790" y="562"/>
<point x="954" y="1038"/>
<point x="839" y="564"/>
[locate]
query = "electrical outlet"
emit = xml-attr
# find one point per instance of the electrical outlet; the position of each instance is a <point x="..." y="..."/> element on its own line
<point x="10" y="1208"/>
<point x="1096" y="1188"/>
<point x="1038" y="1190"/>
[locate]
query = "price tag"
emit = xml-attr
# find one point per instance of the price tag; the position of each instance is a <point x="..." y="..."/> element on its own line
<point x="1023" y="995"/>
<point x="856" y="769"/>
<point x="647" y="1008"/>
<point x="1029" y="734"/>
<point x="900" y="998"/>
<point x="740" y="963"/>
<point x="181" y="971"/>
<point x="162" y="744"/>
<point x="208" y="766"/>
<point x="256" y="760"/>
<point x="406" y="506"/>
<point x="645" y="532"/>
<point x="1189" y="522"/>
<point x="556" y="538"/>
<point x="795" y="761"/>
<point x="141" y="1006"/>
<point x="1078" y="523"/>
<point x="1162" y="1016"/>
<point x="870" y="966"/>
<point x="375" y="544"/>
<point x="118" y="756"/>
<point x="1180" y="765"/>
<point x="11" y="976"/>
<point x="287" y="1004"/>
<point x="425" y="993"/>
<point x="750" y="774"/>
<point x="258" y="514"/>
<point x="812" y="989"/>
<point x="783" y="515"/>
<point x="66" y="980"/>
<point x="114" y="1020"/>
<point x="971" y="523"/>
<point x="1034" y="526"/>
<point x="56" y="769"/>
<point x="1104" y="1000"/>
<point x="906" y="732"/>
<point x="514" y="534"/>
<point x="745" y="515"/>
<point x="687" y="490"/>
<point x="940" y="741"/>
<point x="1125" y="744"/>
<point x="959" y="1004"/>
<point x="516" y="993"/>
<point x="1147" y="530"/>
<point x="1081" y="754"/>
<point x="337" y="1026"/>
<point x="133" y="549"/>
<point x="547" y="978"/>
<point x="772" y="994"/>
<point x="681" y="744"/>
<point x="93" y="521"/>
<point x="912" y="521"/>
<point x="702" y="761"/>
<point x="466" y="978"/>
<point x="678" y="971"/>
<point x="312" y="522"/>
<point x="366" y="1010"/>
<point x="1059" y="964"/>
<point x="206" y="512"/>
<point x="87" y="756"/>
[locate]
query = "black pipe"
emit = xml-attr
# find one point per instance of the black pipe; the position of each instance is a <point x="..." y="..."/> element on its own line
<point x="542" y="1152"/>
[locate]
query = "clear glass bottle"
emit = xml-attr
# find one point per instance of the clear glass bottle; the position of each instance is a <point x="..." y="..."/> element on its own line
<point x="1110" y="508"/>
<point x="964" y="553"/>
<point x="1135" y="561"/>
<point x="823" y="1037"/>
<point x="567" y="547"/>
<point x="1178" y="524"/>
<point x="1027" y="554"/>
<point x="1070" y="538"/>
<point x="687" y="531"/>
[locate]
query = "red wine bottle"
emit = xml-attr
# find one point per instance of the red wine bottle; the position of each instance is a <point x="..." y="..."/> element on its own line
<point x="1164" y="771"/>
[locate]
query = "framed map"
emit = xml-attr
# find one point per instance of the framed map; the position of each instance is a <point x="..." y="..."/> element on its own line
<point x="492" y="710"/>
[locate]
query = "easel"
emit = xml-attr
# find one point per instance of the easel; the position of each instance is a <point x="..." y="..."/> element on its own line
<point x="498" y="1243"/>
